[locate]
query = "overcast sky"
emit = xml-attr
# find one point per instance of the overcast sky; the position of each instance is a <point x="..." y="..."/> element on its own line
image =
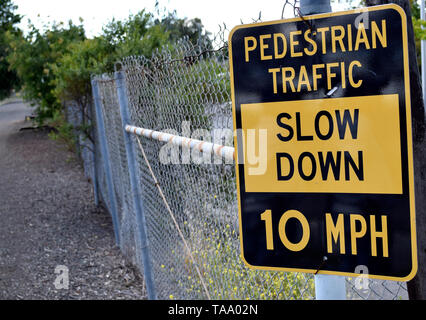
<point x="97" y="13"/>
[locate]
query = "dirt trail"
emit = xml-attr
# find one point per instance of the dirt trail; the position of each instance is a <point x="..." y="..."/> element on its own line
<point x="48" y="219"/>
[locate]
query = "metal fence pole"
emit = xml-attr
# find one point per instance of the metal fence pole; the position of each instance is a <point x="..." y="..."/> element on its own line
<point x="94" y="158"/>
<point x="327" y="287"/>
<point x="105" y="157"/>
<point x="95" y="172"/>
<point x="135" y="186"/>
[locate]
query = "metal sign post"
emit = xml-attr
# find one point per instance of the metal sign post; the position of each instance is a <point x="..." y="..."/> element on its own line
<point x="314" y="6"/>
<point x="423" y="51"/>
<point x="327" y="287"/>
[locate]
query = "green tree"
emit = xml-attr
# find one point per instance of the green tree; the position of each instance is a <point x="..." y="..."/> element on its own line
<point x="73" y="70"/>
<point x="135" y="36"/>
<point x="138" y="35"/>
<point x="8" y="20"/>
<point x="179" y="28"/>
<point x="72" y="73"/>
<point x="34" y="56"/>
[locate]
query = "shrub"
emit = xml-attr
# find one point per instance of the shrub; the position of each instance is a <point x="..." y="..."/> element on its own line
<point x="34" y="56"/>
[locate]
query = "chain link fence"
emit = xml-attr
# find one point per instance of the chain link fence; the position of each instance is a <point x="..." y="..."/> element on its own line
<point x="184" y="90"/>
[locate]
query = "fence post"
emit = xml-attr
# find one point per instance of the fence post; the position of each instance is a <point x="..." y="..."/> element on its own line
<point x="95" y="166"/>
<point x="327" y="287"/>
<point x="105" y="157"/>
<point x="135" y="186"/>
<point x="423" y="52"/>
<point x="93" y="157"/>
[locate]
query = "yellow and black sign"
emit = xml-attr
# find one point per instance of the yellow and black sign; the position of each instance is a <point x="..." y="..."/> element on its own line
<point x="321" y="108"/>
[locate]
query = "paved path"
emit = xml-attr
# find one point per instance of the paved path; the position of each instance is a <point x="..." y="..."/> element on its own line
<point x="48" y="219"/>
<point x="11" y="115"/>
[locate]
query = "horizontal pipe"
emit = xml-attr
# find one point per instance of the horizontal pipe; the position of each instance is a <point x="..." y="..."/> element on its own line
<point x="228" y="153"/>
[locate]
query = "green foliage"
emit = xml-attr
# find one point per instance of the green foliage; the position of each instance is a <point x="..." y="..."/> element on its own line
<point x="64" y="130"/>
<point x="137" y="35"/>
<point x="226" y="276"/>
<point x="55" y="65"/>
<point x="73" y="70"/>
<point x="82" y="59"/>
<point x="34" y="57"/>
<point x="8" y="20"/>
<point x="200" y="83"/>
<point x="419" y="29"/>
<point x="178" y="28"/>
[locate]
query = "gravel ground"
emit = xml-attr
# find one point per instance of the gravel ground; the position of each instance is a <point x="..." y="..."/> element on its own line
<point x="48" y="218"/>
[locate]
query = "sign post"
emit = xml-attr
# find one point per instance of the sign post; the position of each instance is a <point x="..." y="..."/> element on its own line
<point x="423" y="52"/>
<point x="327" y="287"/>
<point x="308" y="7"/>
<point x="324" y="168"/>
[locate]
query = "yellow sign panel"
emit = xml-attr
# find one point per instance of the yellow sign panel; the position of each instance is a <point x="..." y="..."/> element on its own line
<point x="341" y="145"/>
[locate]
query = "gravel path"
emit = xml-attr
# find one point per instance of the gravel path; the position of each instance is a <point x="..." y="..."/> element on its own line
<point x="48" y="219"/>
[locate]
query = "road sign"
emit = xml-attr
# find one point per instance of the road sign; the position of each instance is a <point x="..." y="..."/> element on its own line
<point x="321" y="108"/>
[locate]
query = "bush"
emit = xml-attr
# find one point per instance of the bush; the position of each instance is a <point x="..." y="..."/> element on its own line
<point x="8" y="20"/>
<point x="64" y="131"/>
<point x="34" y="57"/>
